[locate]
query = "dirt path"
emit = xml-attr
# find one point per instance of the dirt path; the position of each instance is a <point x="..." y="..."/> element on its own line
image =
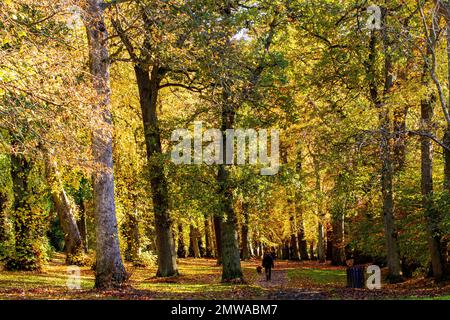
<point x="279" y="280"/>
<point x="279" y="287"/>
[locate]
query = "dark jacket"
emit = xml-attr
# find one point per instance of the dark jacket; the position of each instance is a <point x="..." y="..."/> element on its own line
<point x="267" y="261"/>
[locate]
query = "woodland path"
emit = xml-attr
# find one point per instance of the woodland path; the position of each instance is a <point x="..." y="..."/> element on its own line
<point x="280" y="288"/>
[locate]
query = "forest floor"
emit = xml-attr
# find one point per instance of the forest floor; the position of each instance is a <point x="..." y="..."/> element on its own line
<point x="200" y="279"/>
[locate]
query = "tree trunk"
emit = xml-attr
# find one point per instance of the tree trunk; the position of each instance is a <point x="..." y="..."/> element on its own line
<point x="82" y="226"/>
<point x="26" y="253"/>
<point x="208" y="238"/>
<point x="447" y="129"/>
<point x="110" y="271"/>
<point x="447" y="160"/>
<point x="400" y="137"/>
<point x="231" y="262"/>
<point x="431" y="213"/>
<point x="245" y="247"/>
<point x="148" y="96"/>
<point x="4" y="232"/>
<point x="133" y="250"/>
<point x="302" y="244"/>
<point x="393" y="255"/>
<point x="218" y="236"/>
<point x="181" y="251"/>
<point x="329" y="242"/>
<point x="392" y="249"/>
<point x="73" y="244"/>
<point x="285" y="249"/>
<point x="201" y="248"/>
<point x="294" y="252"/>
<point x="320" y="243"/>
<point x="193" y="242"/>
<point x="311" y="251"/>
<point x="338" y="246"/>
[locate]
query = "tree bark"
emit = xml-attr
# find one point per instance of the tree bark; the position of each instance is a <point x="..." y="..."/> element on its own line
<point x="218" y="236"/>
<point x="387" y="175"/>
<point x="311" y="251"/>
<point x="431" y="213"/>
<point x="329" y="242"/>
<point x="133" y="250"/>
<point x="209" y="251"/>
<point x="181" y="251"/>
<point x="245" y="246"/>
<point x="193" y="242"/>
<point x="26" y="254"/>
<point x="231" y="262"/>
<point x="302" y="244"/>
<point x="294" y="252"/>
<point x="390" y="231"/>
<point x="4" y="232"/>
<point x="320" y="243"/>
<point x="110" y="271"/>
<point x="338" y="248"/>
<point x="447" y="129"/>
<point x="82" y="225"/>
<point x="148" y="96"/>
<point x="73" y="244"/>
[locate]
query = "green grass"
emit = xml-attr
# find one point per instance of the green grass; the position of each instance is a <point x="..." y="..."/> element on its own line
<point x="318" y="276"/>
<point x="23" y="280"/>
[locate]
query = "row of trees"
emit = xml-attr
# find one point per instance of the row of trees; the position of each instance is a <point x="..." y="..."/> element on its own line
<point x="91" y="91"/>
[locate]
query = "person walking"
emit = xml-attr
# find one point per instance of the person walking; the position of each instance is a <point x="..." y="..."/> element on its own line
<point x="267" y="263"/>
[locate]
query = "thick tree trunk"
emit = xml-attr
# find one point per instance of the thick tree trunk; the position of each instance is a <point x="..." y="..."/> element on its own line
<point x="201" y="248"/>
<point x="218" y="236"/>
<point x="392" y="249"/>
<point x="320" y="243"/>
<point x="311" y="251"/>
<point x="251" y="250"/>
<point x="4" y="232"/>
<point x="432" y="215"/>
<point x="209" y="251"/>
<point x="133" y="250"/>
<point x="303" y="244"/>
<point x="294" y="252"/>
<point x="400" y="137"/>
<point x="338" y="247"/>
<point x="329" y="242"/>
<point x="73" y="243"/>
<point x="393" y="255"/>
<point x="285" y="250"/>
<point x="148" y="96"/>
<point x="447" y="160"/>
<point x="181" y="250"/>
<point x="231" y="262"/>
<point x="110" y="271"/>
<point x="82" y="225"/>
<point x="245" y="246"/>
<point x="446" y="139"/>
<point x="193" y="242"/>
<point x="26" y="254"/>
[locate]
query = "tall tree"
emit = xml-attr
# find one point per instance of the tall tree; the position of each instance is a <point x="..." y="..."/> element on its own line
<point x="73" y="243"/>
<point x="387" y="174"/>
<point x="109" y="270"/>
